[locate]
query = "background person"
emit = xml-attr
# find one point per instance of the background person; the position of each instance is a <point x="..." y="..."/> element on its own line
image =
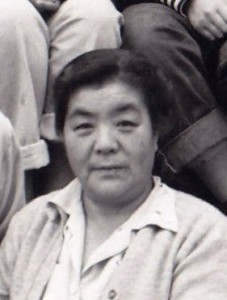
<point x="38" y="38"/>
<point x="187" y="38"/>
<point x="12" y="196"/>
<point x="115" y="231"/>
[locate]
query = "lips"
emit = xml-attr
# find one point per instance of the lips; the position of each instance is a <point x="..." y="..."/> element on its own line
<point x="107" y="168"/>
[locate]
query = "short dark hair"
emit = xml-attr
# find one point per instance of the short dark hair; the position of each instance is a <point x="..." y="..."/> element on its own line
<point x="101" y="66"/>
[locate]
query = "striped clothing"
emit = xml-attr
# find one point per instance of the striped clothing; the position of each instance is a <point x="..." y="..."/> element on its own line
<point x="177" y="5"/>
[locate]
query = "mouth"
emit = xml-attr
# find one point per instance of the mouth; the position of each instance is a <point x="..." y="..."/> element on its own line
<point x="110" y="169"/>
<point x="107" y="168"/>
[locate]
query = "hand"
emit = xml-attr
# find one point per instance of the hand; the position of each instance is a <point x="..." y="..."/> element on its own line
<point x="46" y="5"/>
<point x="208" y="17"/>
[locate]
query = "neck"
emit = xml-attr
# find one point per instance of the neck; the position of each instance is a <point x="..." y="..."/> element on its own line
<point x="102" y="219"/>
<point x="112" y="214"/>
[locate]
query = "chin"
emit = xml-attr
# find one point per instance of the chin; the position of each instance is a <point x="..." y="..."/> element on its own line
<point x="108" y="193"/>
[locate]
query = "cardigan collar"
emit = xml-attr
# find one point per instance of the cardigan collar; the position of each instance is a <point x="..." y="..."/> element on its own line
<point x="158" y="209"/>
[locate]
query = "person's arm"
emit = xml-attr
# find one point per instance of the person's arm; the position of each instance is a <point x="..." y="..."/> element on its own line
<point x="177" y="5"/>
<point x="9" y="250"/>
<point x="201" y="263"/>
<point x="209" y="18"/>
<point x="12" y="196"/>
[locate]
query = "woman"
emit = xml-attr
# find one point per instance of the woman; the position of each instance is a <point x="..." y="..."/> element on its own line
<point x="116" y="231"/>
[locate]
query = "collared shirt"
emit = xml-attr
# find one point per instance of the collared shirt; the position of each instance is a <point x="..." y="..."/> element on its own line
<point x="69" y="280"/>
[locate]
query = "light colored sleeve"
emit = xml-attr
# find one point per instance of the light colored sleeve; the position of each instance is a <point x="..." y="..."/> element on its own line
<point x="201" y="269"/>
<point x="12" y="194"/>
<point x="9" y="249"/>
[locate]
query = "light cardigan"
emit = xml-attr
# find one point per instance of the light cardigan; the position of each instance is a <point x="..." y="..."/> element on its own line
<point x="190" y="264"/>
<point x="72" y="278"/>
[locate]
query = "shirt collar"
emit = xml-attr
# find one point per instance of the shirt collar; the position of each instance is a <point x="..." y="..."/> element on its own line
<point x="66" y="200"/>
<point x="158" y="209"/>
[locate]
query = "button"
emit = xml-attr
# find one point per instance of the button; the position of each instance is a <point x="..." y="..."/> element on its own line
<point x="112" y="294"/>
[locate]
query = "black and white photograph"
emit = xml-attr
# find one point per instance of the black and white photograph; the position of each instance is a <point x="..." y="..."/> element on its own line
<point x="113" y="150"/>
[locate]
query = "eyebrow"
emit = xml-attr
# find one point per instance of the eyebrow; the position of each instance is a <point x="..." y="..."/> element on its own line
<point x="80" y="112"/>
<point x="121" y="108"/>
<point x="125" y="108"/>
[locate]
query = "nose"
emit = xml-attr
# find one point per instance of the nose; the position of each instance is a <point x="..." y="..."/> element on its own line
<point x="105" y="141"/>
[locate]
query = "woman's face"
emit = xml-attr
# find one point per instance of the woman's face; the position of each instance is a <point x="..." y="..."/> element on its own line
<point x="110" y="142"/>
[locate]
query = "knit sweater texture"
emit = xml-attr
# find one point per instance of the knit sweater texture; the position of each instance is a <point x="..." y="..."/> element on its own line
<point x="159" y="264"/>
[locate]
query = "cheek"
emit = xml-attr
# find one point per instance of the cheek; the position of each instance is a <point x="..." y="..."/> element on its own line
<point x="145" y="151"/>
<point x="78" y="152"/>
<point x="74" y="153"/>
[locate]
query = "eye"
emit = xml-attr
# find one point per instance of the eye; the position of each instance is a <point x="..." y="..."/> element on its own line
<point x="126" y="123"/>
<point x="83" y="128"/>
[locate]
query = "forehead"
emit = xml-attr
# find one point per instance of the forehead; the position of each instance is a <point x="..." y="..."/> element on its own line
<point x="111" y="97"/>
